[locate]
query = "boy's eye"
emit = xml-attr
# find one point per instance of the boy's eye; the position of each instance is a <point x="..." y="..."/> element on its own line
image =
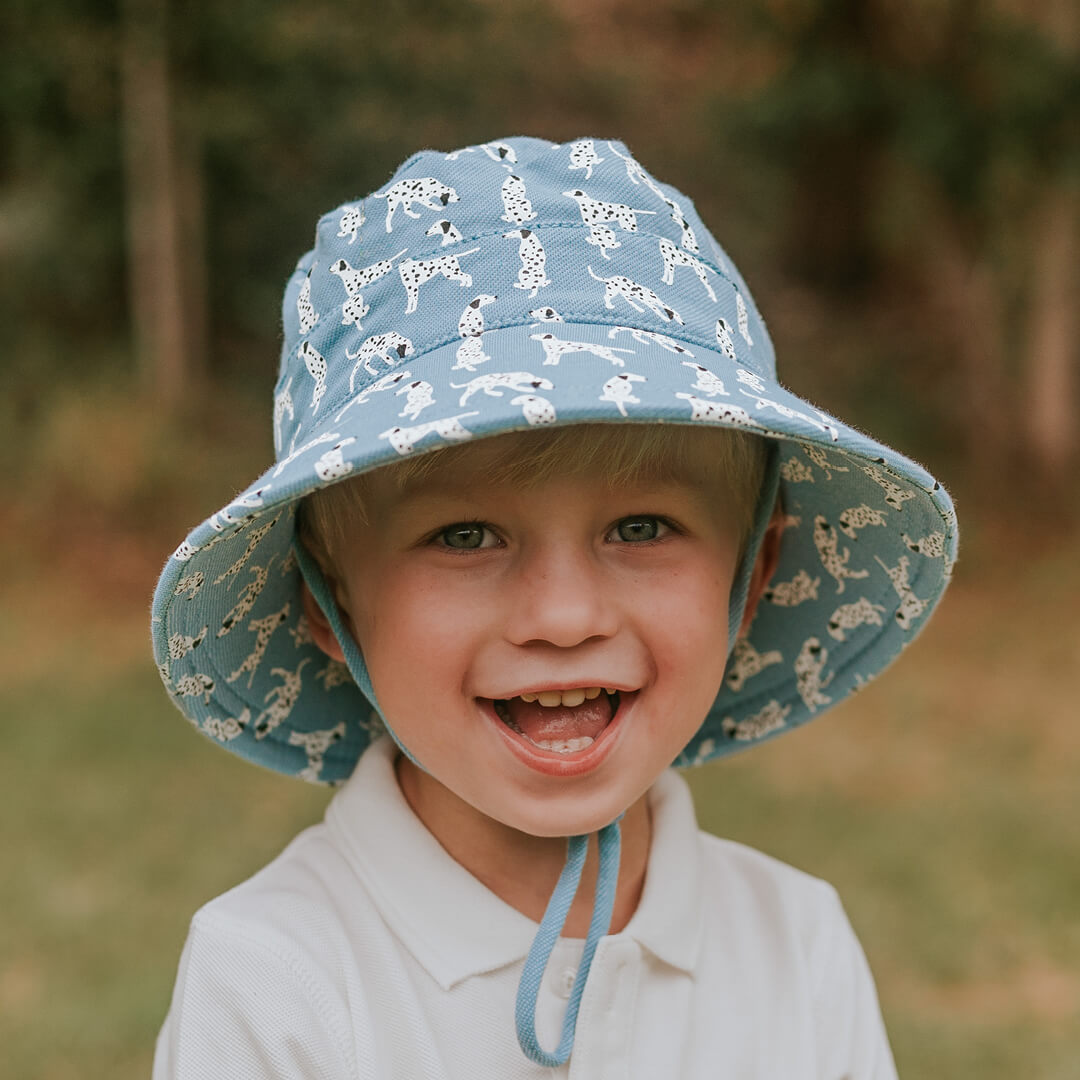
<point x="466" y="535"/>
<point x="642" y="528"/>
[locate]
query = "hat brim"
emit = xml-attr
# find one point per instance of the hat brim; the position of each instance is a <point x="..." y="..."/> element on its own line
<point x="866" y="553"/>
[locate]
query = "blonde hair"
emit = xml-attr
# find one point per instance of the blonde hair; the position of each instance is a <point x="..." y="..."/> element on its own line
<point x="734" y="460"/>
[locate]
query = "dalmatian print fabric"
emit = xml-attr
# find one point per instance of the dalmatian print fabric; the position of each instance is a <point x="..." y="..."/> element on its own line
<point x="500" y="287"/>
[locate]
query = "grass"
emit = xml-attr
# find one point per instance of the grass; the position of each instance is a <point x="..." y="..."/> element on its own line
<point x="941" y="803"/>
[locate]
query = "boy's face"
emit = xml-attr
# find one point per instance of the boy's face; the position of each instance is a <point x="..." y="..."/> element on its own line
<point x="464" y="594"/>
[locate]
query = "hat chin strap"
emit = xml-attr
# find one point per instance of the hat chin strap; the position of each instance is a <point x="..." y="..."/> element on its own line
<point x="608" y="838"/>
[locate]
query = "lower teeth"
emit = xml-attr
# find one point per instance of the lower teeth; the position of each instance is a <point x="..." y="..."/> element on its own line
<point x="563" y="746"/>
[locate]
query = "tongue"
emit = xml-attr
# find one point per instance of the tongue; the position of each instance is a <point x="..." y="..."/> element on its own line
<point x="541" y="723"/>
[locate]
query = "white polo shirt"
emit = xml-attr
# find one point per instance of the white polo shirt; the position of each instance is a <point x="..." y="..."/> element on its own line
<point x="365" y="951"/>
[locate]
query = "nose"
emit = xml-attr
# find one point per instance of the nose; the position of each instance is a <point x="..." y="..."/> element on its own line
<point x="561" y="597"/>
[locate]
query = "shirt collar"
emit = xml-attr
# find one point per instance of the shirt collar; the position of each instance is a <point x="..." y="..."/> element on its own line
<point x="456" y="927"/>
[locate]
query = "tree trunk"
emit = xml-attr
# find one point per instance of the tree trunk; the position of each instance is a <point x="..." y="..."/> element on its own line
<point x="155" y="274"/>
<point x="1051" y="363"/>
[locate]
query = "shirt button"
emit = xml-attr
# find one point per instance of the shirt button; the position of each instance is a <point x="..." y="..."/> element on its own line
<point x="564" y="984"/>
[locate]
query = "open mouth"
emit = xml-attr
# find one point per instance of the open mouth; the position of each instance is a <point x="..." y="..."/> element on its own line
<point x="561" y="721"/>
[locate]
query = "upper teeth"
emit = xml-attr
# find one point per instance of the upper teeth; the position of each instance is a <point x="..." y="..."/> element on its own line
<point x="551" y="698"/>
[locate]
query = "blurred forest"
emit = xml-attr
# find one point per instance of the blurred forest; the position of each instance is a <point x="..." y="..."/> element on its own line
<point x="898" y="180"/>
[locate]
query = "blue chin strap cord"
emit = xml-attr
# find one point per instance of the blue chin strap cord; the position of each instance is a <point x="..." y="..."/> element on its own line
<point x="608" y="837"/>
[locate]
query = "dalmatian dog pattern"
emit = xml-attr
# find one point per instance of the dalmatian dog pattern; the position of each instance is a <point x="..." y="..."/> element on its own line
<point x="428" y="191"/>
<point x="654" y="337"/>
<point x="556" y="348"/>
<point x="708" y="382"/>
<point x="516" y="206"/>
<point x="470" y="353"/>
<point x="583" y="155"/>
<point x="673" y="256"/>
<point x="419" y="396"/>
<point x="751" y="728"/>
<point x="531" y="276"/>
<point x="350" y="223"/>
<point x="379" y="347"/>
<point x="404" y="440"/>
<point x="638" y="296"/>
<point x="493" y="385"/>
<point x="668" y="333"/>
<point x="598" y="212"/>
<point x="307" y="314"/>
<point x="746" y="662"/>
<point x="354" y="279"/>
<point x="603" y="237"/>
<point x="449" y="232"/>
<point x="414" y="272"/>
<point x="619" y="390"/>
<point x="537" y="411"/>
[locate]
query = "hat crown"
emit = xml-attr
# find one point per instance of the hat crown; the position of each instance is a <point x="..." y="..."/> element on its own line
<point x="490" y="236"/>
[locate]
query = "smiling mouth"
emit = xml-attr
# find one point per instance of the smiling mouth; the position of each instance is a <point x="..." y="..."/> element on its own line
<point x="562" y="721"/>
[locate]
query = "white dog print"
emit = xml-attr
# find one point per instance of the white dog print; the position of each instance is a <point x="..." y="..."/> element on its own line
<point x="315" y="362"/>
<point x="859" y="517"/>
<point x="603" y="237"/>
<point x="723" y="339"/>
<point x="419" y="395"/>
<point x="598" y="212"/>
<point x="385" y="383"/>
<point x="798" y="590"/>
<point x="852" y="616"/>
<point x="834" y="561"/>
<point x="497" y="151"/>
<point x="332" y="464"/>
<point x="674" y="256"/>
<point x="264" y="629"/>
<point x="895" y="495"/>
<point x="449" y="232"/>
<point x="537" y="410"/>
<point x="531" y="276"/>
<point x="636" y="295"/>
<point x="654" y="336"/>
<point x="746" y="662"/>
<point x="808" y="667"/>
<point x="414" y="272"/>
<point x="707" y="381"/>
<point x="283" y="699"/>
<point x="516" y="206"/>
<point x="381" y="347"/>
<point x="315" y="744"/>
<point x="427" y="191"/>
<point x="351" y="221"/>
<point x="307" y="314"/>
<point x="556" y="348"/>
<point x="911" y="607"/>
<point x="769" y="719"/>
<point x="494" y="384"/>
<point x="721" y="411"/>
<point x="620" y="391"/>
<point x="403" y="440"/>
<point x="743" y="318"/>
<point x="583" y="155"/>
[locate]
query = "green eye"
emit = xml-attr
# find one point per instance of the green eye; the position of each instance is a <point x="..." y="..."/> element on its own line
<point x="463" y="536"/>
<point x="636" y="529"/>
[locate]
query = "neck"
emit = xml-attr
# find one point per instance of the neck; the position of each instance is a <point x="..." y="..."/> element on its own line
<point x="520" y="869"/>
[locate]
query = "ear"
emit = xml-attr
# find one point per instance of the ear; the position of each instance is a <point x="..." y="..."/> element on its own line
<point x="764" y="567"/>
<point x="319" y="625"/>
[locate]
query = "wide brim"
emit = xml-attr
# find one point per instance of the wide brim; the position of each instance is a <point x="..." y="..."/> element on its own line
<point x="865" y="556"/>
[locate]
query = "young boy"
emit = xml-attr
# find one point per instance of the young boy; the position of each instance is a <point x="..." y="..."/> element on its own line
<point x="498" y="638"/>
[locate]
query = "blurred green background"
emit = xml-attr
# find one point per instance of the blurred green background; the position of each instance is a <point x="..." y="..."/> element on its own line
<point x="900" y="184"/>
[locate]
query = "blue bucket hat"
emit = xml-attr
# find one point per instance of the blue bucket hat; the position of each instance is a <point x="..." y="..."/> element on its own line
<point x="497" y="288"/>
